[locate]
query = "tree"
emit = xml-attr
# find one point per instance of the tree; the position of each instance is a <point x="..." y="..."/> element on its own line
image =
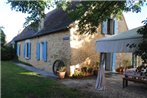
<point x="2" y="37"/>
<point x="89" y="13"/>
<point x="35" y="9"/>
<point x="142" y="50"/>
<point x="7" y="52"/>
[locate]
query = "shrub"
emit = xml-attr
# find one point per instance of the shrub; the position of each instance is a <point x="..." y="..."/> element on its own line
<point x="7" y="53"/>
<point x="78" y="74"/>
<point x="62" y="69"/>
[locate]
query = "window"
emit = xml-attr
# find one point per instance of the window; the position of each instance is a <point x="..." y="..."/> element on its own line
<point x="27" y="50"/>
<point x="18" y="50"/>
<point x="110" y="27"/>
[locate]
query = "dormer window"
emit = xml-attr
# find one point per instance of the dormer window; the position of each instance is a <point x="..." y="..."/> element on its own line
<point x="109" y="27"/>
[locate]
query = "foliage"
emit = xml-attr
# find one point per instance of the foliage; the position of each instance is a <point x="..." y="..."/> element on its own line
<point x="7" y="53"/>
<point x="142" y="50"/>
<point x="17" y="82"/>
<point x="92" y="13"/>
<point x="2" y="37"/>
<point x="78" y="74"/>
<point x="89" y="13"/>
<point x="142" y="70"/>
<point x="62" y="69"/>
<point x="126" y="62"/>
<point x="35" y="9"/>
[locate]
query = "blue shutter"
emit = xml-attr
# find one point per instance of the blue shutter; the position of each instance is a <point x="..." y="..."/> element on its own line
<point x="113" y="62"/>
<point x="29" y="50"/>
<point x="26" y="46"/>
<point x="17" y="50"/>
<point x="24" y="50"/>
<point x="37" y="51"/>
<point x="44" y="51"/>
<point x="115" y="26"/>
<point x="104" y="27"/>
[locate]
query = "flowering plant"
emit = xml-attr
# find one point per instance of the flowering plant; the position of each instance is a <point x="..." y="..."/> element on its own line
<point x="142" y="70"/>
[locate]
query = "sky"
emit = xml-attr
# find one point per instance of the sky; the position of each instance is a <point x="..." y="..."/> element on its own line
<point x="12" y="21"/>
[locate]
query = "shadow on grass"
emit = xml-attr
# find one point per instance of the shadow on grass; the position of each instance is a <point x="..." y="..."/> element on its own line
<point x="17" y="82"/>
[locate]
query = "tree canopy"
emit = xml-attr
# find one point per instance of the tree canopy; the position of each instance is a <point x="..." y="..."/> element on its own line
<point x="2" y="37"/>
<point x="89" y="13"/>
<point x="142" y="51"/>
<point x="35" y="9"/>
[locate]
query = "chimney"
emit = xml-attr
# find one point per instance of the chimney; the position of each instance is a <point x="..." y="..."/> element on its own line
<point x="41" y="22"/>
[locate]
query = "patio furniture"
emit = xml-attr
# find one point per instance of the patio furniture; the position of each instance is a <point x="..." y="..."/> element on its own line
<point x="134" y="77"/>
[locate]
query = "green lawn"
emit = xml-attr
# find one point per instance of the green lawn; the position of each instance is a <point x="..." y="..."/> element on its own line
<point x="19" y="83"/>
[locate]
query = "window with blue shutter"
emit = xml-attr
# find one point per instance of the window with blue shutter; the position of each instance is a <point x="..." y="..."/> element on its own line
<point x="44" y="51"/>
<point x="18" y="49"/>
<point x="104" y="27"/>
<point x="38" y="51"/>
<point x="24" y="50"/>
<point x="110" y="26"/>
<point x="27" y="50"/>
<point x="115" y="26"/>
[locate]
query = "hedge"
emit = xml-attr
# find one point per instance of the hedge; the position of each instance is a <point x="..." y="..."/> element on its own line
<point x="7" y="53"/>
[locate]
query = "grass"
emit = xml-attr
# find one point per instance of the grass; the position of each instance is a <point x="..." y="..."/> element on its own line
<point x="19" y="83"/>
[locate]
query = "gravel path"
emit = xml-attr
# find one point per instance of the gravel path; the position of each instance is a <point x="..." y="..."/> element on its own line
<point x="113" y="87"/>
<point x="41" y="72"/>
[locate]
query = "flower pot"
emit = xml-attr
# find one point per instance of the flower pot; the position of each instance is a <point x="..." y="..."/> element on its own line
<point x="61" y="75"/>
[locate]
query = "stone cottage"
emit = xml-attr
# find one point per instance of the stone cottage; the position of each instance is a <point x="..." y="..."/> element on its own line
<point x="59" y="40"/>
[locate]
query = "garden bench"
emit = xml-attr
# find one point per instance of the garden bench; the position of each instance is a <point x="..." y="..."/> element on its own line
<point x="138" y="79"/>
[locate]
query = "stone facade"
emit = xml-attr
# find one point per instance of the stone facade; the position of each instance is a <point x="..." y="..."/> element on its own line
<point x="78" y="49"/>
<point x="57" y="48"/>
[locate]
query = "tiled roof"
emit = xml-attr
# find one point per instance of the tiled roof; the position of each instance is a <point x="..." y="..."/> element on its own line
<point x="55" y="21"/>
<point x="28" y="32"/>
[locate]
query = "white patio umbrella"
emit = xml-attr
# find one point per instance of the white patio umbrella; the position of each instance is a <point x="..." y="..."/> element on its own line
<point x="100" y="82"/>
<point x="124" y="42"/>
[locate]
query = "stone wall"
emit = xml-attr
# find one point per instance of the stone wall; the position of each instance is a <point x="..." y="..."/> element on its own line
<point x="79" y="49"/>
<point x="83" y="47"/>
<point x="83" y="50"/>
<point x="122" y="26"/>
<point x="57" y="48"/>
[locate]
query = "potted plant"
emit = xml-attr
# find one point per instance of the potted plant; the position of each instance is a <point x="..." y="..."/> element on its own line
<point x="61" y="72"/>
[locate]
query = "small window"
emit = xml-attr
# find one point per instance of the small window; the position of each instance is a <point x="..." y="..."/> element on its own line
<point x="110" y="27"/>
<point x="18" y="50"/>
<point x="27" y="50"/>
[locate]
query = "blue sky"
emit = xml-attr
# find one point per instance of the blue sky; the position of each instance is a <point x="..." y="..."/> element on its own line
<point x="13" y="21"/>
